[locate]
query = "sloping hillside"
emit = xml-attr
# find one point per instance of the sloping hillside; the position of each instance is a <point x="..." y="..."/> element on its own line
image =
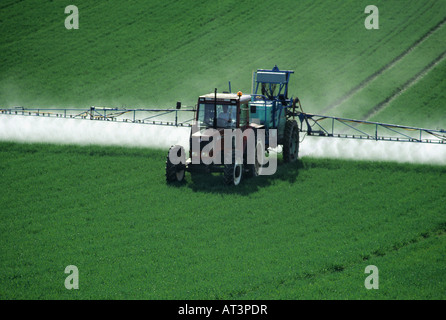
<point x="154" y="53"/>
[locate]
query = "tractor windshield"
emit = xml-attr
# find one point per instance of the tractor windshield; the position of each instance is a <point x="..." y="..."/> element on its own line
<point x="226" y="115"/>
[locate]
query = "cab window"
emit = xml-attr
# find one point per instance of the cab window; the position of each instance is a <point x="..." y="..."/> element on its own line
<point x="243" y="115"/>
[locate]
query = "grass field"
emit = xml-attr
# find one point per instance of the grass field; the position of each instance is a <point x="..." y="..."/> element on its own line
<point x="308" y="232"/>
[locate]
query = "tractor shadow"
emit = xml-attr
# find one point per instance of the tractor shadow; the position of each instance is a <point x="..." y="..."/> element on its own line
<point x="214" y="183"/>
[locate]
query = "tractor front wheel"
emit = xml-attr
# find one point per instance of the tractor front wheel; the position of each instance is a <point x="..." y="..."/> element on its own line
<point x="175" y="164"/>
<point x="233" y="172"/>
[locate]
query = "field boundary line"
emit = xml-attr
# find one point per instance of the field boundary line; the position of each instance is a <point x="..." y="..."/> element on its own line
<point x="388" y="66"/>
<point x="411" y="82"/>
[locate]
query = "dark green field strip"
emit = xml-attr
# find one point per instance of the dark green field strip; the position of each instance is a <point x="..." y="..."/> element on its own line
<point x="419" y="104"/>
<point x="422" y="105"/>
<point x="413" y="267"/>
<point x="389" y="65"/>
<point x="413" y="272"/>
<point x="407" y="85"/>
<point x="411" y="67"/>
<point x="109" y="212"/>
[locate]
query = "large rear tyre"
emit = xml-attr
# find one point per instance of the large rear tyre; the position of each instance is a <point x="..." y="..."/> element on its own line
<point x="175" y="164"/>
<point x="291" y="141"/>
<point x="233" y="172"/>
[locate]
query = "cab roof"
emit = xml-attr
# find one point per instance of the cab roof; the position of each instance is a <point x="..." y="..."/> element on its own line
<point x="226" y="97"/>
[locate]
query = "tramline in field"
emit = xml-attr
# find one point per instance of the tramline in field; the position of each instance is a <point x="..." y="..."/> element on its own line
<point x="268" y="112"/>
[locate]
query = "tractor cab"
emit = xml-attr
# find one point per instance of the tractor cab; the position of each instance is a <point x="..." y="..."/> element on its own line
<point x="222" y="111"/>
<point x="217" y="115"/>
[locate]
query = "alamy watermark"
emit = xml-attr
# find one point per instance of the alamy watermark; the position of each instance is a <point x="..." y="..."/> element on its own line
<point x="72" y="281"/>
<point x="72" y="21"/>
<point x="372" y="20"/>
<point x="372" y="281"/>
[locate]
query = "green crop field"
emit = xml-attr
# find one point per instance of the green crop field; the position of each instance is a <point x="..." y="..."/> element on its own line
<point x="307" y="232"/>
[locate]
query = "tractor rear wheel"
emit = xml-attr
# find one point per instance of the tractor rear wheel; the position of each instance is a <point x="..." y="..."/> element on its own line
<point x="291" y="141"/>
<point x="175" y="171"/>
<point x="233" y="172"/>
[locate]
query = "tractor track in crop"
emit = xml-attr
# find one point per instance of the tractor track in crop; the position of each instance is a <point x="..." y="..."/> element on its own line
<point x="388" y="66"/>
<point x="412" y="81"/>
<point x="438" y="231"/>
<point x="10" y="4"/>
<point x="386" y="40"/>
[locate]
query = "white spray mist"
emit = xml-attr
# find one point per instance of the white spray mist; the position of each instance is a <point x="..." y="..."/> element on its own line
<point x="403" y="152"/>
<point x="85" y="132"/>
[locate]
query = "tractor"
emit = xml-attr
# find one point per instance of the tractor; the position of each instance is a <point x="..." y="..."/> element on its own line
<point x="219" y="115"/>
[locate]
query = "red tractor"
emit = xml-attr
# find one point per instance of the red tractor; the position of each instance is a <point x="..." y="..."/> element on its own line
<point x="247" y="123"/>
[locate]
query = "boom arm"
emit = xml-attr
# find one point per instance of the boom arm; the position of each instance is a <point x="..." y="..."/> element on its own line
<point x="324" y="126"/>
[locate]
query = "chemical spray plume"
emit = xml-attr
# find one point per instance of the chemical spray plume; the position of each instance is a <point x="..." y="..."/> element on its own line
<point x="85" y="132"/>
<point x="403" y="152"/>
